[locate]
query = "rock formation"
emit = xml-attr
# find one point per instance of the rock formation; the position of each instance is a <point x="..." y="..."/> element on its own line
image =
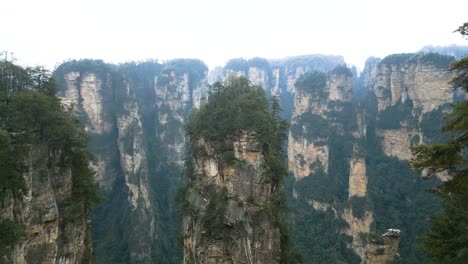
<point x="384" y="249"/>
<point x="135" y="115"/>
<point x="228" y="220"/>
<point x="232" y="211"/>
<point x="56" y="226"/>
<point x="347" y="148"/>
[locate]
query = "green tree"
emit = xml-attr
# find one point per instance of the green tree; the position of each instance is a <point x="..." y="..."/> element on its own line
<point x="447" y="239"/>
<point x="30" y="115"/>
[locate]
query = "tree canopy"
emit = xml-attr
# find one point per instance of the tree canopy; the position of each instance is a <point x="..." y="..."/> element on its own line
<point x="234" y="107"/>
<point x="447" y="239"/>
<point x="30" y="113"/>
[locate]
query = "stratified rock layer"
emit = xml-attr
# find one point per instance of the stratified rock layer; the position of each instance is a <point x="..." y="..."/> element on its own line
<point x="238" y="196"/>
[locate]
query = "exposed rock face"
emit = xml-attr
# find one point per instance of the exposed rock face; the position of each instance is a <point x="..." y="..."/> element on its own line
<point x="175" y="96"/>
<point x="357" y="177"/>
<point x="340" y="87"/>
<point x="304" y="152"/>
<point x="302" y="155"/>
<point x="411" y="78"/>
<point x="425" y="84"/>
<point x="384" y="250"/>
<point x="277" y="77"/>
<point x="56" y="227"/>
<point x="410" y="91"/>
<point x="358" y="226"/>
<point x="321" y="206"/>
<point x="135" y="114"/>
<point x="84" y="90"/>
<point x="397" y="142"/>
<point x="259" y="77"/>
<point x="236" y="197"/>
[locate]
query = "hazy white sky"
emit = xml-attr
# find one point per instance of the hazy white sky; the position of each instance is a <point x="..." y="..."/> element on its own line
<point x="47" y="32"/>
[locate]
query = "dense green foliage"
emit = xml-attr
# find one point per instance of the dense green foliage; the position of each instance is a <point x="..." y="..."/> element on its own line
<point x="312" y="82"/>
<point x="438" y="60"/>
<point x="317" y="235"/>
<point x="118" y="229"/>
<point x="393" y="116"/>
<point x="309" y="125"/>
<point x="11" y="232"/>
<point x="397" y="58"/>
<point x="31" y="115"/>
<point x="447" y="239"/>
<point x="395" y="195"/>
<point x="398" y="197"/>
<point x="342" y="70"/>
<point x="234" y="108"/>
<point x="10" y="167"/>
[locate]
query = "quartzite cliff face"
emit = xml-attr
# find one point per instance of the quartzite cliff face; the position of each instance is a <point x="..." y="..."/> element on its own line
<point x="419" y="84"/>
<point x="407" y="95"/>
<point x="56" y="226"/>
<point x="135" y="115"/>
<point x="227" y="222"/>
<point x="341" y="134"/>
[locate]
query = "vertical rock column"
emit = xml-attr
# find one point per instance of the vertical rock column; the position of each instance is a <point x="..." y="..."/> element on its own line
<point x="228" y="218"/>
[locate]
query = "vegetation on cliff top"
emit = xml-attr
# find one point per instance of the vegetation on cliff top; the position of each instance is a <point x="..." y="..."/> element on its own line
<point x="438" y="60"/>
<point x="233" y="108"/>
<point x="30" y="114"/>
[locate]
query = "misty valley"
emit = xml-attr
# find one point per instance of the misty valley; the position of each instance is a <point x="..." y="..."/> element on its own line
<point x="295" y="160"/>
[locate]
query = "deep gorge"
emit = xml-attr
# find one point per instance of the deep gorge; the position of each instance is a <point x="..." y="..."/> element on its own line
<point x="348" y="148"/>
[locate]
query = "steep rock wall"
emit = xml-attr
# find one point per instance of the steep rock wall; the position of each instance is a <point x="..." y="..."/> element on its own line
<point x="56" y="228"/>
<point x="238" y="194"/>
<point x="325" y="119"/>
<point x="135" y="114"/>
<point x="384" y="250"/>
<point x="413" y="85"/>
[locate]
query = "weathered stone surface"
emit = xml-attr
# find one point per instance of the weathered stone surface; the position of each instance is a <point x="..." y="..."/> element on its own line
<point x="56" y="230"/>
<point x="248" y="235"/>
<point x="385" y="249"/>
<point x="358" y="226"/>
<point x="357" y="177"/>
<point x="397" y="142"/>
<point x="426" y="85"/>
<point x="259" y="77"/>
<point x="126" y="111"/>
<point x="71" y="94"/>
<point x="303" y="154"/>
<point x="340" y="87"/>
<point x="91" y="95"/>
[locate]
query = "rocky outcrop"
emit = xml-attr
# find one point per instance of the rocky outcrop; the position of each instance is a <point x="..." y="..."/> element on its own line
<point x="277" y="77"/>
<point x="84" y="91"/>
<point x="135" y="114"/>
<point x="305" y="151"/>
<point x="228" y="219"/>
<point x="357" y="226"/>
<point x="407" y="86"/>
<point x="56" y="227"/>
<point x="175" y="96"/>
<point x="397" y="142"/>
<point x="303" y="154"/>
<point x="424" y="83"/>
<point x="357" y="177"/>
<point x="384" y="249"/>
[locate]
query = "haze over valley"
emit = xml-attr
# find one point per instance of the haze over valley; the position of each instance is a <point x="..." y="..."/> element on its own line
<point x="233" y="132"/>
